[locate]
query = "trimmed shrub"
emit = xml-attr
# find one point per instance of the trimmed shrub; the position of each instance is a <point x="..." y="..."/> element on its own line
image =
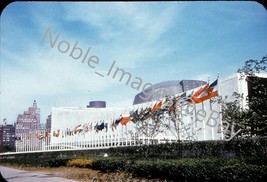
<point x="110" y="164"/>
<point x="82" y="163"/>
<point x="191" y="169"/>
<point x="58" y="162"/>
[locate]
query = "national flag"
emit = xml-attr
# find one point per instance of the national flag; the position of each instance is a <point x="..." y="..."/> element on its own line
<point x="182" y="95"/>
<point x="200" y="91"/>
<point x="165" y="104"/>
<point x="56" y="133"/>
<point x="213" y="85"/>
<point x="85" y="128"/>
<point x="106" y="126"/>
<point x="115" y="123"/>
<point x="118" y="120"/>
<point x="69" y="132"/>
<point x="40" y="136"/>
<point x="210" y="92"/>
<point x="134" y="116"/>
<point x="90" y="127"/>
<point x="178" y="99"/>
<point x="78" y="129"/>
<point x="185" y="99"/>
<point x="101" y="126"/>
<point x="113" y="127"/>
<point x="125" y="119"/>
<point x="173" y="104"/>
<point x="156" y="106"/>
<point x="205" y="93"/>
<point x="145" y="114"/>
<point x="195" y="97"/>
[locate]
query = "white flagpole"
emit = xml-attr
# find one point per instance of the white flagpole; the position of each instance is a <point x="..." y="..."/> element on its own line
<point x="220" y="108"/>
<point x="203" y="121"/>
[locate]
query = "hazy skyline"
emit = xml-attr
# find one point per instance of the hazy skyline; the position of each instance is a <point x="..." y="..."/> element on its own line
<point x="155" y="41"/>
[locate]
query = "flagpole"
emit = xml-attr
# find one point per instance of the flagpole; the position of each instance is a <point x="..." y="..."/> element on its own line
<point x="220" y="107"/>
<point x="212" y="132"/>
<point x="194" y="121"/>
<point x="203" y="123"/>
<point x="208" y="93"/>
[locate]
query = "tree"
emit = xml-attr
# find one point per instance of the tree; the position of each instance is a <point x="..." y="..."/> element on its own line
<point x="252" y="120"/>
<point x="165" y="117"/>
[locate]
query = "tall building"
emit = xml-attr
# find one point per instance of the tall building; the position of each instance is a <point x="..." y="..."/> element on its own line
<point x="48" y="124"/>
<point x="7" y="135"/>
<point x="27" y="128"/>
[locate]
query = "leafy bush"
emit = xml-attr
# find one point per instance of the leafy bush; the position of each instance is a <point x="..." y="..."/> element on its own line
<point x="190" y="169"/>
<point x="236" y="160"/>
<point x="249" y="147"/>
<point x="35" y="162"/>
<point x="110" y="164"/>
<point x="58" y="162"/>
<point x="82" y="163"/>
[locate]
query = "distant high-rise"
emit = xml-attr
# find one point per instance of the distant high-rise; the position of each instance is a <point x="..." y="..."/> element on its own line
<point x="7" y="135"/>
<point x="27" y="126"/>
<point x="48" y="124"/>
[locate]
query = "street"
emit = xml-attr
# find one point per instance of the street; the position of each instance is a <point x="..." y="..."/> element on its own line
<point x="15" y="175"/>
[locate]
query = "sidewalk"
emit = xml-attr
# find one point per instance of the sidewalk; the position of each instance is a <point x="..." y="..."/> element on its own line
<point x="15" y="175"/>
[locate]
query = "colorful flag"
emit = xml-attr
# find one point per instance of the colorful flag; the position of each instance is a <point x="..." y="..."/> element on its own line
<point x="78" y="129"/>
<point x="113" y="127"/>
<point x="69" y="132"/>
<point x="118" y="120"/>
<point x="145" y="114"/>
<point x="85" y="128"/>
<point x="156" y="106"/>
<point x="56" y="133"/>
<point x="101" y="126"/>
<point x="185" y="99"/>
<point x="205" y="93"/>
<point x="134" y="116"/>
<point x="90" y="127"/>
<point x="115" y="123"/>
<point x="210" y="92"/>
<point x="40" y="136"/>
<point x="125" y="119"/>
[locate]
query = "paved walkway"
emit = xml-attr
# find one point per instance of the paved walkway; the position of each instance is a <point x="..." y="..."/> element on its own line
<point x="15" y="175"/>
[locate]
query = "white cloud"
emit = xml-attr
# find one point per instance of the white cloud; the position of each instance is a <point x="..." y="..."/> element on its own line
<point x="129" y="31"/>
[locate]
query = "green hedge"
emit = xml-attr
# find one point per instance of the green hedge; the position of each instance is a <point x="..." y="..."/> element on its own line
<point x="110" y="165"/>
<point x="251" y="147"/>
<point x="209" y="169"/>
<point x="237" y="160"/>
<point x="35" y="162"/>
<point x="256" y="147"/>
<point x="186" y="169"/>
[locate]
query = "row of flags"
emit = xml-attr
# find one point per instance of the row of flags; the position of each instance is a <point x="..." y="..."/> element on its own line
<point x="139" y="115"/>
<point x="30" y="137"/>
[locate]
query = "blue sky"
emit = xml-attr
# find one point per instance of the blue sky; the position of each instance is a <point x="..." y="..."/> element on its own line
<point x="156" y="42"/>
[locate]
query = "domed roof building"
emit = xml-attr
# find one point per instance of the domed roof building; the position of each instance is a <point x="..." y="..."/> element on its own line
<point x="166" y="88"/>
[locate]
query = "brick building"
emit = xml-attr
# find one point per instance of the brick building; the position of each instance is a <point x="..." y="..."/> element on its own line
<point x="27" y="128"/>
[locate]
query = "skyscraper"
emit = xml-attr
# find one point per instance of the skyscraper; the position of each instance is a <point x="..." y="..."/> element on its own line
<point x="27" y="128"/>
<point x="7" y="135"/>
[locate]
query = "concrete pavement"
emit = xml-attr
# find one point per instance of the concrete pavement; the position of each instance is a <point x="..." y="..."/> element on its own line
<point x="15" y="175"/>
